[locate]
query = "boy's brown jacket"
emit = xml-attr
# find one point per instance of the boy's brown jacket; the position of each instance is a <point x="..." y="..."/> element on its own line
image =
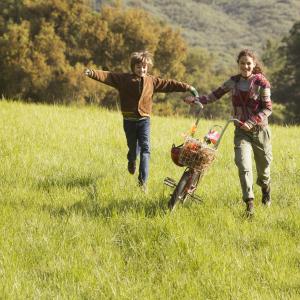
<point x="136" y="92"/>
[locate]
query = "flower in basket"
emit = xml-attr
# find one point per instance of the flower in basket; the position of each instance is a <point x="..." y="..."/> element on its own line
<point x="192" y="146"/>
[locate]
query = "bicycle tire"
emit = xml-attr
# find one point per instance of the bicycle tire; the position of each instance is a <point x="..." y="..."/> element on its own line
<point x="180" y="192"/>
<point x="195" y="182"/>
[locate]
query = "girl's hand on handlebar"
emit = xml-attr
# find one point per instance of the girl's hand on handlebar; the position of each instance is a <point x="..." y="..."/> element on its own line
<point x="245" y="127"/>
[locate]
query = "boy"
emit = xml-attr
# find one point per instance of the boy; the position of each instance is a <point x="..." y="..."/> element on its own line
<point x="136" y="90"/>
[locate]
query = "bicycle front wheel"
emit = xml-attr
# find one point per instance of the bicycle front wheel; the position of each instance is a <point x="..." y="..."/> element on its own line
<point x="181" y="191"/>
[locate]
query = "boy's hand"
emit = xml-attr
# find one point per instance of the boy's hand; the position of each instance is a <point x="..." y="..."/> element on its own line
<point x="193" y="101"/>
<point x="193" y="91"/>
<point x="190" y="99"/>
<point x="88" y="72"/>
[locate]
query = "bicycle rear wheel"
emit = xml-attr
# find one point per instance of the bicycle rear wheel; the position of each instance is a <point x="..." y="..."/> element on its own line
<point x="181" y="191"/>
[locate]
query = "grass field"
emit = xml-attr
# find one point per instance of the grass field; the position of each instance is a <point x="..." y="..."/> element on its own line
<point x="74" y="225"/>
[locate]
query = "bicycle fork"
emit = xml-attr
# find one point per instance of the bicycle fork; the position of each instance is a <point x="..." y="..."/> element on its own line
<point x="190" y="186"/>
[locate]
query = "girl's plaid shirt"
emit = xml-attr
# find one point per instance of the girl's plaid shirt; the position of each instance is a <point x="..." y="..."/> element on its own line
<point x="251" y="98"/>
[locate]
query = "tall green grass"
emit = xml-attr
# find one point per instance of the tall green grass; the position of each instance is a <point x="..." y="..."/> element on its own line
<point x="74" y="225"/>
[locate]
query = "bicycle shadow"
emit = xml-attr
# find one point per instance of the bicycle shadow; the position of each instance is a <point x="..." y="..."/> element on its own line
<point x="94" y="206"/>
<point x="71" y="182"/>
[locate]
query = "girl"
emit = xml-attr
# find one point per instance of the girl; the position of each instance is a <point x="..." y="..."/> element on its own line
<point x="250" y="94"/>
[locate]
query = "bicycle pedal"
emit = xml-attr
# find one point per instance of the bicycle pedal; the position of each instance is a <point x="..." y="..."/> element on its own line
<point x="170" y="182"/>
<point x="195" y="197"/>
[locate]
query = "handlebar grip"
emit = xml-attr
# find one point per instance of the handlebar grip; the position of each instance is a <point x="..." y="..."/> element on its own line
<point x="236" y="120"/>
<point x="199" y="104"/>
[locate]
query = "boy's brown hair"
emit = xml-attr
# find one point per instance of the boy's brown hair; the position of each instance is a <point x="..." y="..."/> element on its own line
<point x="141" y="57"/>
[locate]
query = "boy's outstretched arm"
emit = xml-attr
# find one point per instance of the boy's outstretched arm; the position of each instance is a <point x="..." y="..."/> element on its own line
<point x="106" y="77"/>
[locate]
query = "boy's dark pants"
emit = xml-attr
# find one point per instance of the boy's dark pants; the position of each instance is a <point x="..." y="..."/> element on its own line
<point x="138" y="142"/>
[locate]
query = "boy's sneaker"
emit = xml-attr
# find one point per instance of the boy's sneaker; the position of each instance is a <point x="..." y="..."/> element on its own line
<point x="131" y="167"/>
<point x="266" y="195"/>
<point x="143" y="186"/>
<point x="249" y="207"/>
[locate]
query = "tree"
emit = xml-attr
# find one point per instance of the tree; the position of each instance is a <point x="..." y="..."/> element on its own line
<point x="15" y="54"/>
<point x="45" y="45"/>
<point x="170" y="54"/>
<point x="283" y="61"/>
<point x="293" y="64"/>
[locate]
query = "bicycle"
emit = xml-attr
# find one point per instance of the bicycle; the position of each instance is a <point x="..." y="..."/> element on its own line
<point x="196" y="156"/>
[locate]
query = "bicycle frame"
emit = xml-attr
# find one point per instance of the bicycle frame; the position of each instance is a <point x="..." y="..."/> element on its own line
<point x="224" y="129"/>
<point x="190" y="178"/>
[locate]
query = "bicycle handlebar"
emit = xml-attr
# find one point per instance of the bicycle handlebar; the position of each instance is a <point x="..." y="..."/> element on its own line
<point x="199" y="104"/>
<point x="224" y="128"/>
<point x="200" y="107"/>
<point x="193" y="130"/>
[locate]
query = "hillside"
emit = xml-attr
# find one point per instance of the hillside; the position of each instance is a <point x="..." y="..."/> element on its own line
<point x="224" y="25"/>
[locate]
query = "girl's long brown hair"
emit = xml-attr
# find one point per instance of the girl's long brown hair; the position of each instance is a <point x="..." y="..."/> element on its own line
<point x="258" y="64"/>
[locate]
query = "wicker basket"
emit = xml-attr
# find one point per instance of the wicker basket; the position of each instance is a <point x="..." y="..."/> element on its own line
<point x="196" y="155"/>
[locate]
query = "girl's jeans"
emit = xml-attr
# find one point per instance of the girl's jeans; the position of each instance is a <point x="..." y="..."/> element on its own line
<point x="260" y="142"/>
<point x="138" y="142"/>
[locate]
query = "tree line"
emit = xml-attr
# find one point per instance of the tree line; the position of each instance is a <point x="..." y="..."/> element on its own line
<point x="45" y="45"/>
